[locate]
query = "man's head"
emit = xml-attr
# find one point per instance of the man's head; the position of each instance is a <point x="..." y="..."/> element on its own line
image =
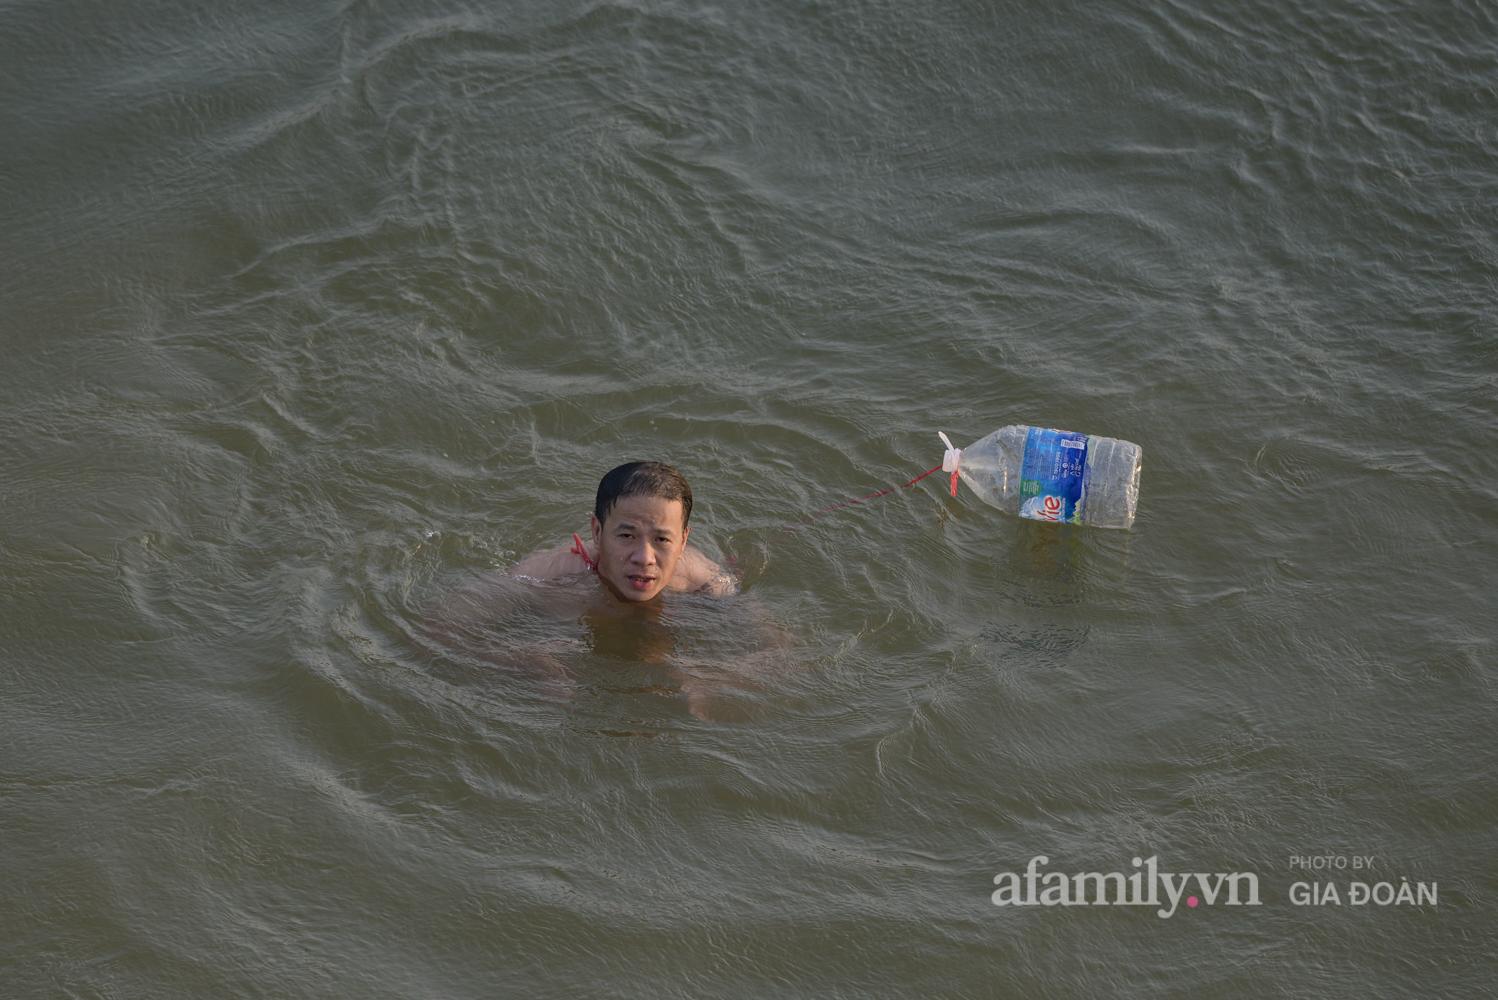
<point x="651" y="479"/>
<point x="640" y="525"/>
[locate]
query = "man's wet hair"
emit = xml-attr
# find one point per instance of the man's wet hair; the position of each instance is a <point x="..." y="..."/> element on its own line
<point x="649" y="479"/>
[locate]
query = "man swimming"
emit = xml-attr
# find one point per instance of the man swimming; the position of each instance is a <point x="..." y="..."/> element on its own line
<point x="638" y="550"/>
<point x="639" y="545"/>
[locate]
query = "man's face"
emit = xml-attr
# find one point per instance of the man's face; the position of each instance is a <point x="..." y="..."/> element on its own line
<point x="639" y="547"/>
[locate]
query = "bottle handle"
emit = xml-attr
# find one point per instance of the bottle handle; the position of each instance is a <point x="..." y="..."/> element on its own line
<point x="952" y="460"/>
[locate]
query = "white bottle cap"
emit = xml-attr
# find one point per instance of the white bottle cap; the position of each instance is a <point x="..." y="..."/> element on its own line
<point x="953" y="457"/>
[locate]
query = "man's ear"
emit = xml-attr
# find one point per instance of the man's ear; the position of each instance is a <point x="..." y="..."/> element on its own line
<point x="686" y="532"/>
<point x="597" y="527"/>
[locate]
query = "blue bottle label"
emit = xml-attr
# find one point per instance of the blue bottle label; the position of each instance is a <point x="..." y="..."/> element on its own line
<point x="1051" y="475"/>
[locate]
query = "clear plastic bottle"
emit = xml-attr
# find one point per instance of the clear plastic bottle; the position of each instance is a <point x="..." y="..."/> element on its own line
<point x="1051" y="475"/>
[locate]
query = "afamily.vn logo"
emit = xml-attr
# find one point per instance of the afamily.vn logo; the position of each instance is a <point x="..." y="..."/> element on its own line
<point x="1142" y="888"/>
<point x="1165" y="890"/>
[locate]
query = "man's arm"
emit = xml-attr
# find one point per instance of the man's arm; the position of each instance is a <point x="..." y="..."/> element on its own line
<point x="495" y="594"/>
<point x="755" y="671"/>
<point x="698" y="574"/>
<point x="471" y="619"/>
<point x="547" y="564"/>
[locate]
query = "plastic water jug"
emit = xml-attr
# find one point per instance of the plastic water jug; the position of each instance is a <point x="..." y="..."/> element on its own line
<point x="1051" y="475"/>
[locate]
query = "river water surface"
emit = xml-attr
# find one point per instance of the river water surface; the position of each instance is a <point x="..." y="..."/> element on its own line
<point x="315" y="313"/>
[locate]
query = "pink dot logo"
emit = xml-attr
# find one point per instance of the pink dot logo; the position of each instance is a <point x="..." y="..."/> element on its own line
<point x="1190" y="900"/>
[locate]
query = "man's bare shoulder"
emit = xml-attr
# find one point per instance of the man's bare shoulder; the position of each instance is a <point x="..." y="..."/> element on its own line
<point x="547" y="564"/>
<point x="699" y="574"/>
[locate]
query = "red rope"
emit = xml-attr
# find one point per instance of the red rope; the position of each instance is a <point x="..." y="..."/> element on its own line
<point x="871" y="496"/>
<point x="578" y="548"/>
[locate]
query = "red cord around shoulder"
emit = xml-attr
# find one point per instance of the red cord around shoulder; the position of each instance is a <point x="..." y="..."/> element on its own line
<point x="578" y="548"/>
